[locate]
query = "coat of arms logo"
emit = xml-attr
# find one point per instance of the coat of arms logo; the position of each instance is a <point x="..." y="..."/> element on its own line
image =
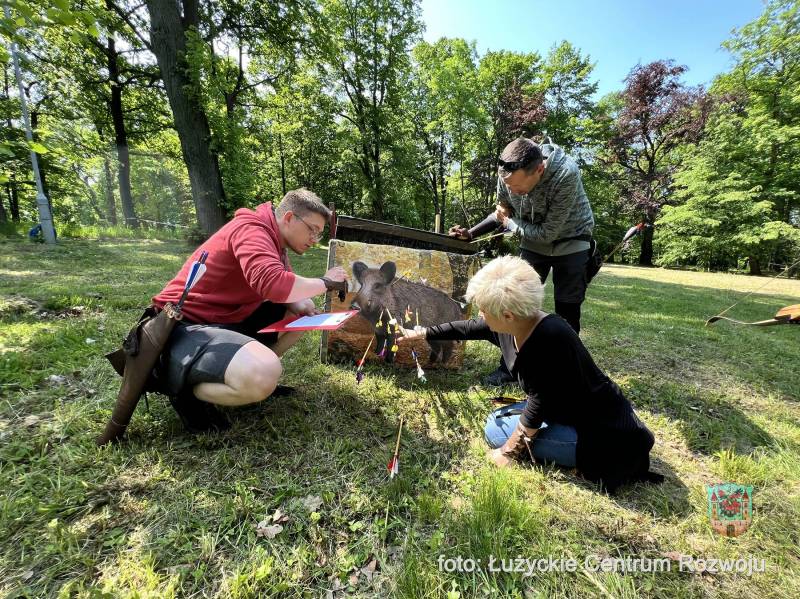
<point x="730" y="508"/>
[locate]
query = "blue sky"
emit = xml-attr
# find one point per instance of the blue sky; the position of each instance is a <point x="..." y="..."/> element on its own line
<point x="616" y="34"/>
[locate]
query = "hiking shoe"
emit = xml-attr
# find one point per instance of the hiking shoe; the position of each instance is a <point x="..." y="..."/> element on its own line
<point x="498" y="378"/>
<point x="198" y="416"/>
<point x="283" y="391"/>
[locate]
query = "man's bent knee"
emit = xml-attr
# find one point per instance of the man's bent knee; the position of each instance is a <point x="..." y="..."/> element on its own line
<point x="261" y="382"/>
<point x="254" y="372"/>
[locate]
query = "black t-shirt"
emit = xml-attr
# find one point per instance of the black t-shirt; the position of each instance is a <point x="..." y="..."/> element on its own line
<point x="565" y="386"/>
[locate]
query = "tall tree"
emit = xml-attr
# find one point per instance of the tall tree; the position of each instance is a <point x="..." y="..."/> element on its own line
<point x="511" y="106"/>
<point x="741" y="190"/>
<point x="766" y="82"/>
<point x="367" y="49"/>
<point x="659" y="114"/>
<point x="568" y="96"/>
<point x="168" y="32"/>
<point x="445" y="112"/>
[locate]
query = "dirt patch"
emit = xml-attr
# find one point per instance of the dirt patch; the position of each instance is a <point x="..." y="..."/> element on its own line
<point x="18" y="305"/>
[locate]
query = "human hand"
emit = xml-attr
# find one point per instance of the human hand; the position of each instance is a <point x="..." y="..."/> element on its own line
<point x="304" y="307"/>
<point x="501" y="213"/>
<point x="336" y="280"/>
<point x="417" y="332"/>
<point x="459" y="232"/>
<point x="337" y="274"/>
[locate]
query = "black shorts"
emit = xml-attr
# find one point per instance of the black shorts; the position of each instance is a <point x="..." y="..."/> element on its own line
<point x="200" y="353"/>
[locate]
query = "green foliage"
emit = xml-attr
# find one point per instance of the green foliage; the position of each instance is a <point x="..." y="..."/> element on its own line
<point x="720" y="221"/>
<point x="568" y="94"/>
<point x="739" y="194"/>
<point x="342" y="97"/>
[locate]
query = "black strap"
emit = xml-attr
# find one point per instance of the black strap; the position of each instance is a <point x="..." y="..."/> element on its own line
<point x="583" y="237"/>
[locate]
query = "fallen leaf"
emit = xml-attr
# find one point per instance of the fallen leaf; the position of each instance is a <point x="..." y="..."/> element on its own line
<point x="369" y="568"/>
<point x="28" y="575"/>
<point x="354" y="579"/>
<point x="311" y="502"/>
<point x="264" y="529"/>
<point x="675" y="556"/>
<point x="279" y="517"/>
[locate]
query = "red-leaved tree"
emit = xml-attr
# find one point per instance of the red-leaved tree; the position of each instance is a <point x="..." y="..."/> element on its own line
<point x="658" y="115"/>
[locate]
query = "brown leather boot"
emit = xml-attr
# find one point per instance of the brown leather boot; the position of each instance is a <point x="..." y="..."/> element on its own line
<point x="516" y="447"/>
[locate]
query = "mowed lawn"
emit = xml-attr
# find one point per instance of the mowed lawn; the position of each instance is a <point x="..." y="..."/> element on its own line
<point x="168" y="514"/>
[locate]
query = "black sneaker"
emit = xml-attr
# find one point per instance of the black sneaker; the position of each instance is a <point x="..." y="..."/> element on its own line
<point x="198" y="416"/>
<point x="283" y="391"/>
<point x="498" y="378"/>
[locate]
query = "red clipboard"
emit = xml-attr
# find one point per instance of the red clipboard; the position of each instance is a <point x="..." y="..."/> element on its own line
<point x="327" y="321"/>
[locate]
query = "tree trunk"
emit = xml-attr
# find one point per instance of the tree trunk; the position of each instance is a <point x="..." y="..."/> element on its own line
<point x="436" y="201"/>
<point x="646" y="253"/>
<point x="108" y="186"/>
<point x="10" y="188"/>
<point x="283" y="164"/>
<point x="39" y="159"/>
<point x="3" y="214"/>
<point x="755" y="266"/>
<point x="111" y="206"/>
<point x="13" y="198"/>
<point x="120" y="136"/>
<point x="378" y="198"/>
<point x="168" y="38"/>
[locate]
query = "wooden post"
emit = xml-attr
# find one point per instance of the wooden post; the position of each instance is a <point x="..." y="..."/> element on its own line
<point x="323" y="347"/>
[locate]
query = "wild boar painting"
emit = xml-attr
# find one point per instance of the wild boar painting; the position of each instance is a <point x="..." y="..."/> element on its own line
<point x="411" y="286"/>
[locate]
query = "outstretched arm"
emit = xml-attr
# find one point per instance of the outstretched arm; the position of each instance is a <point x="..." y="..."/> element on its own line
<point x="458" y="330"/>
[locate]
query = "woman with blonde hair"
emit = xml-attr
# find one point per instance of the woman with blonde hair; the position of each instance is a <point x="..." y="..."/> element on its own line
<point x="574" y="415"/>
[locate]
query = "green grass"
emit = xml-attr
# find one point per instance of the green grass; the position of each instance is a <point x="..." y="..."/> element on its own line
<point x="75" y="231"/>
<point x="167" y="514"/>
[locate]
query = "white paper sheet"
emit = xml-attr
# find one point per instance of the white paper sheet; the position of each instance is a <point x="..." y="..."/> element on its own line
<point x="320" y="320"/>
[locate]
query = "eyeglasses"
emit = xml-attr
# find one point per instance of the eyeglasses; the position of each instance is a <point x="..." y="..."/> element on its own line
<point x="514" y="166"/>
<point x="315" y="235"/>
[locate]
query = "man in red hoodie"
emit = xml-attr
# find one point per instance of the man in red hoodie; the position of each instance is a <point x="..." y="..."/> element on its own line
<point x="216" y="355"/>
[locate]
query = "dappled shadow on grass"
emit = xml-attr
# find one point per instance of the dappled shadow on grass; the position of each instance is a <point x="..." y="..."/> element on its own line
<point x="707" y="421"/>
<point x="164" y="501"/>
<point x="665" y="500"/>
<point x="662" y="330"/>
<point x="324" y="441"/>
<point x="452" y="404"/>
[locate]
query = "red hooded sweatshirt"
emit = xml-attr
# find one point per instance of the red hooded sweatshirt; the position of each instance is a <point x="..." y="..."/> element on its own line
<point x="246" y="265"/>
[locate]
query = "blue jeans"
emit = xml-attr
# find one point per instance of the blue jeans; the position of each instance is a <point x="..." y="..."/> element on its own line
<point x="554" y="443"/>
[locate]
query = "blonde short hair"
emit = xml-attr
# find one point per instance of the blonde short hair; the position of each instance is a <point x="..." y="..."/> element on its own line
<point x="507" y="283"/>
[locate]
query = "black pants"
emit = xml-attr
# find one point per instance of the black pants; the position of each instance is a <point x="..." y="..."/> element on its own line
<point x="569" y="281"/>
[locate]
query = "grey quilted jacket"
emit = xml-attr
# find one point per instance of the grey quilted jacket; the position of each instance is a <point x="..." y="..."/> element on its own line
<point x="556" y="209"/>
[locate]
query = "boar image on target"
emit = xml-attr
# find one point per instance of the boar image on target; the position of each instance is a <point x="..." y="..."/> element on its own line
<point x="380" y="293"/>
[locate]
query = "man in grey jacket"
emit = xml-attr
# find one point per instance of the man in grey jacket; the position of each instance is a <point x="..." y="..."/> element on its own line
<point x="540" y="198"/>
